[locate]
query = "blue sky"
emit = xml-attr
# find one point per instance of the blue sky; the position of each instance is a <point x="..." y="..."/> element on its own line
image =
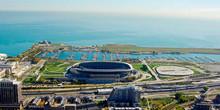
<point x="184" y="8"/>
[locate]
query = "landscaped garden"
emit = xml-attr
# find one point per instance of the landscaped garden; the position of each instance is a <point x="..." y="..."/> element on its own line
<point x="54" y="67"/>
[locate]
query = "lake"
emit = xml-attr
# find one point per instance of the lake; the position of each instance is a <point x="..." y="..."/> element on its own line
<point x="19" y="30"/>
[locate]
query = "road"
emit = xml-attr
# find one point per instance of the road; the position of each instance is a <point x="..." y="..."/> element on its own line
<point x="40" y="64"/>
<point x="152" y="72"/>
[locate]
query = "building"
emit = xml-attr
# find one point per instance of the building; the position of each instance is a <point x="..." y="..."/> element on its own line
<point x="101" y="72"/>
<point x="10" y="94"/>
<point x="9" y="67"/>
<point x="2" y="73"/>
<point x="61" y="103"/>
<point x="126" y="96"/>
<point x="3" y="56"/>
<point x="203" y="103"/>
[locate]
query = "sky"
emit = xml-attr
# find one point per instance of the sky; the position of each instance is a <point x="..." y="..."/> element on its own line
<point x="179" y="8"/>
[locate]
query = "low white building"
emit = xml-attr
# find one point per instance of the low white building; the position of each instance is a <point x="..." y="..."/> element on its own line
<point x="9" y="66"/>
<point x="3" y="56"/>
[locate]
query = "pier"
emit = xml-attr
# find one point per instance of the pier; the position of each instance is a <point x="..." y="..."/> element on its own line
<point x="194" y="59"/>
<point x="126" y="57"/>
<point x="157" y="57"/>
<point x="55" y="56"/>
<point x="104" y="57"/>
<point x="178" y="58"/>
<point x="95" y="57"/>
<point x="210" y="59"/>
<point x="71" y="57"/>
<point x="118" y="56"/>
<point x="84" y="57"/>
<point x="186" y="59"/>
<point x="200" y="58"/>
<point x="44" y="54"/>
<point x="163" y="57"/>
<point x="111" y="56"/>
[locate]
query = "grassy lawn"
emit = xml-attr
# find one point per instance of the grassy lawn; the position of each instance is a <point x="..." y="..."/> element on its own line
<point x="156" y="103"/>
<point x="151" y="79"/>
<point x="196" y="72"/>
<point x="54" y="67"/>
<point x="30" y="80"/>
<point x="171" y="105"/>
<point x="152" y="65"/>
<point x="185" y="94"/>
<point x="52" y="76"/>
<point x="140" y="67"/>
<point x="162" y="100"/>
<point x="128" y="48"/>
<point x="164" y="77"/>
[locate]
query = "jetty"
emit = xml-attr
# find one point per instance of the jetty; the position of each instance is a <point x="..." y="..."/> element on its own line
<point x="84" y="57"/>
<point x="118" y="56"/>
<point x="200" y="58"/>
<point x="104" y="57"/>
<point x="186" y="59"/>
<point x="95" y="57"/>
<point x="210" y="59"/>
<point x="71" y="57"/>
<point x="111" y="56"/>
<point x="44" y="54"/>
<point x="178" y="58"/>
<point x="55" y="56"/>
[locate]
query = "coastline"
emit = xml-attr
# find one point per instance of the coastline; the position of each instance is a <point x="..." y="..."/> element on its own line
<point x="133" y="49"/>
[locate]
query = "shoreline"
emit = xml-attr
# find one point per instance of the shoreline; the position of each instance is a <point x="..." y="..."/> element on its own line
<point x="133" y="49"/>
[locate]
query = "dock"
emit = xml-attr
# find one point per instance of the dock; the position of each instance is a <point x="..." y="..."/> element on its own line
<point x="104" y="57"/>
<point x="44" y="54"/>
<point x="71" y="57"/>
<point x="186" y="59"/>
<point x="95" y="57"/>
<point x="194" y="59"/>
<point x="84" y="57"/>
<point x="111" y="56"/>
<point x="178" y="58"/>
<point x="210" y="59"/>
<point x="118" y="56"/>
<point x="163" y="57"/>
<point x="55" y="56"/>
<point x="126" y="57"/>
<point x="200" y="58"/>
<point x="157" y="57"/>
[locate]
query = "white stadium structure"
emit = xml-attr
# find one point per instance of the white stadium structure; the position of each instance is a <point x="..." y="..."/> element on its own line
<point x="173" y="71"/>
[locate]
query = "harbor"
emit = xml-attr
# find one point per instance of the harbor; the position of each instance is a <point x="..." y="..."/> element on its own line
<point x="108" y="56"/>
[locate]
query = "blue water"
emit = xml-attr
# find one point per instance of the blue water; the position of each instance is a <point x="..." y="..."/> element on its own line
<point x="64" y="54"/>
<point x="19" y="30"/>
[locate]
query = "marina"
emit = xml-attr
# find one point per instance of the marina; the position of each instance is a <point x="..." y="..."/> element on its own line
<point x="108" y="56"/>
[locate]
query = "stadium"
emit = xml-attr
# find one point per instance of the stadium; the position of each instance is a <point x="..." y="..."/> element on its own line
<point x="101" y="72"/>
<point x="173" y="71"/>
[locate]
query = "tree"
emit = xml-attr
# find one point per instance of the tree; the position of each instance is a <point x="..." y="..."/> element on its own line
<point x="59" y="80"/>
<point x="129" y="79"/>
<point x="180" y="108"/>
<point x="75" y="80"/>
<point x="141" y="75"/>
<point x="7" y="75"/>
<point x="42" y="80"/>
<point x="134" y="77"/>
<point x="183" y="99"/>
<point x="206" y="88"/>
<point x="178" y="95"/>
<point x="55" y="81"/>
<point x="144" y="67"/>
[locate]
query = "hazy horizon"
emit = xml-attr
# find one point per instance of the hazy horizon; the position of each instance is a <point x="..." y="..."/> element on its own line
<point x="168" y="8"/>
